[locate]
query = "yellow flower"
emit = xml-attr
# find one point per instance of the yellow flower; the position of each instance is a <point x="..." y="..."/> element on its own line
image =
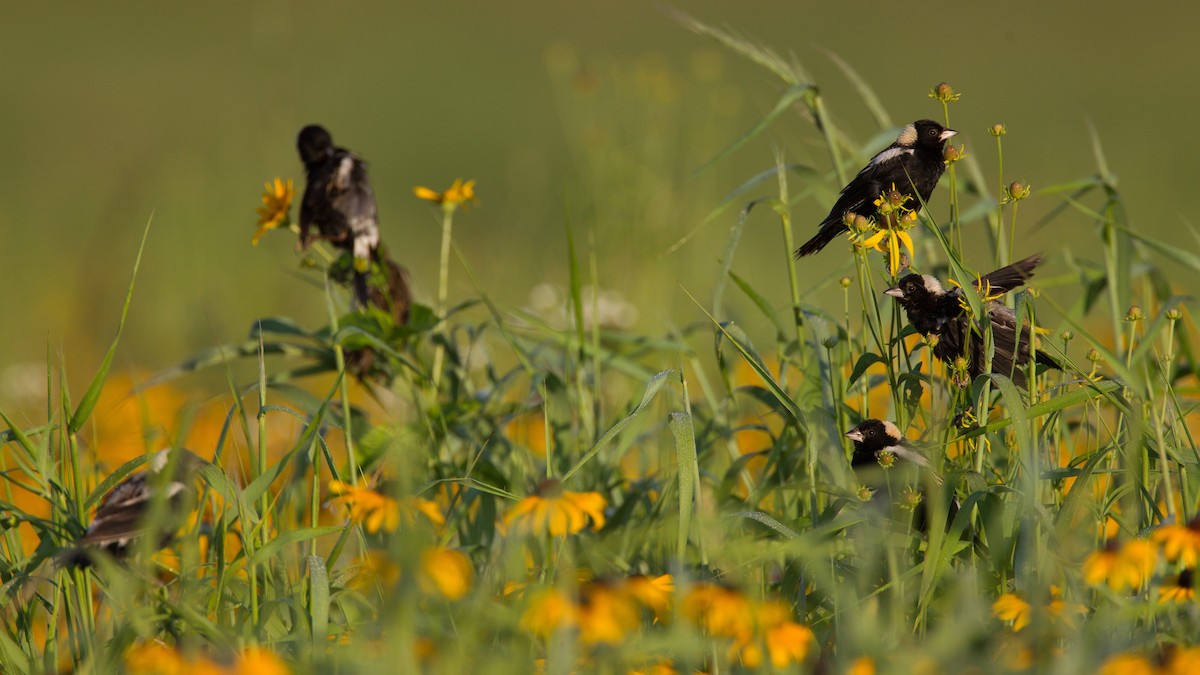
<point x="1180" y="543"/>
<point x="549" y="611"/>
<point x="411" y="507"/>
<point x="447" y="572"/>
<point x="155" y="658"/>
<point x="606" y="615"/>
<point x="1128" y="664"/>
<point x="557" y="511"/>
<point x="258" y="661"/>
<point x="654" y="593"/>
<point x="1183" y="662"/>
<point x="787" y="641"/>
<point x="1180" y="591"/>
<point x="863" y="665"/>
<point x="719" y="611"/>
<point x="660" y="668"/>
<point x="277" y="203"/>
<point x="1010" y="607"/>
<point x="1121" y="567"/>
<point x="895" y="219"/>
<point x="368" y="508"/>
<point x="986" y="294"/>
<point x="460" y="192"/>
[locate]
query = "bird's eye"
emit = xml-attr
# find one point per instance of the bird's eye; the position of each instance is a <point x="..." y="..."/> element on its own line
<point x="870" y="432"/>
<point x="933" y="131"/>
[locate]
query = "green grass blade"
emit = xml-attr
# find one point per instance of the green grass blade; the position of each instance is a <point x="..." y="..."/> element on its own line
<point x="92" y="395"/>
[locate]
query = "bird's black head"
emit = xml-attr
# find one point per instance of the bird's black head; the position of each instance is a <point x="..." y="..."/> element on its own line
<point x="925" y="134"/>
<point x="872" y="436"/>
<point x="915" y="290"/>
<point x="315" y="144"/>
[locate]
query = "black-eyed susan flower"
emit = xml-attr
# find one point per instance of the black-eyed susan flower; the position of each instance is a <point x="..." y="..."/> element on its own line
<point x="654" y="593"/>
<point x="1121" y="566"/>
<point x="446" y="572"/>
<point x="895" y="218"/>
<point x="1128" y="664"/>
<point x="606" y="614"/>
<point x="787" y="642"/>
<point x="459" y="193"/>
<point x="549" y="611"/>
<point x="1012" y="609"/>
<point x="277" y="205"/>
<point x="1180" y="543"/>
<point x="1182" y="661"/>
<point x="557" y="511"/>
<point x="863" y="665"/>
<point x="375" y="512"/>
<point x="720" y="611"/>
<point x="259" y="661"/>
<point x="155" y="658"/>
<point x="1179" y="589"/>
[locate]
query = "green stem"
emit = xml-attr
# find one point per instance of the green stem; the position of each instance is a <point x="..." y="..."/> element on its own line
<point x="443" y="289"/>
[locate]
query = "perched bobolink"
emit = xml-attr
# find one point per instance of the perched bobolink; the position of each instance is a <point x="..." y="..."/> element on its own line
<point x="875" y="437"/>
<point x="935" y="311"/>
<point x="914" y="164"/>
<point x="120" y="518"/>
<point x="876" y="440"/>
<point x="338" y="201"/>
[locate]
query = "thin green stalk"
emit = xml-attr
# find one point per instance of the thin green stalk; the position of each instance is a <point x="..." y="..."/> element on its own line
<point x="443" y="289"/>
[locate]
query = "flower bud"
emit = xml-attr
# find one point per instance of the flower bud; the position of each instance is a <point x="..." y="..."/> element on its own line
<point x="1174" y="314"/>
<point x="997" y="130"/>
<point x="944" y="92"/>
<point x="830" y="342"/>
<point x="845" y="282"/>
<point x="1017" y="190"/>
<point x="886" y="459"/>
<point x="1093" y="355"/>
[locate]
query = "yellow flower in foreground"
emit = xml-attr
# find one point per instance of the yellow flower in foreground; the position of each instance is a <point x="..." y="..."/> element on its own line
<point x="368" y="508"/>
<point x="1121" y="566"/>
<point x="460" y="192"/>
<point x="1180" y="543"/>
<point x="277" y="203"/>
<point x="653" y="592"/>
<point x="548" y="612"/>
<point x="557" y="511"/>
<point x="863" y="665"/>
<point x="719" y="610"/>
<point x="1011" y="608"/>
<point x="155" y="658"/>
<point x="787" y="641"/>
<point x="895" y="219"/>
<point x="258" y="661"/>
<point x="1183" y="662"/>
<point x="1128" y="664"/>
<point x="447" y="572"/>
<point x="1180" y="590"/>
<point x="606" y="615"/>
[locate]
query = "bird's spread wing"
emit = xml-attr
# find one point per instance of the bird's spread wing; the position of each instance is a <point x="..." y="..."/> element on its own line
<point x="1012" y="276"/>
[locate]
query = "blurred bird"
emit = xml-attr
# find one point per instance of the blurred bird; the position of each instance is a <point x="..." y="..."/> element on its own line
<point x="874" y="437"/>
<point x="933" y="310"/>
<point x="914" y="164"/>
<point x="338" y="201"/>
<point x="120" y="519"/>
<point x="879" y="444"/>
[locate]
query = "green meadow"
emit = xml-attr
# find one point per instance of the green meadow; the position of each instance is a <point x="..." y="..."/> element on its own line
<point x="607" y="435"/>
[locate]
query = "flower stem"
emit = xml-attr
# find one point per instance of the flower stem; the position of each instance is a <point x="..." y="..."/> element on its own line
<point x="443" y="288"/>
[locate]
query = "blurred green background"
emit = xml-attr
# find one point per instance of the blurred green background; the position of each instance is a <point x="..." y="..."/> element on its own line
<point x="592" y="112"/>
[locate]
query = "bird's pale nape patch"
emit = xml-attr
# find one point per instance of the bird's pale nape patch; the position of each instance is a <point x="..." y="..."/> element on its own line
<point x="932" y="284"/>
<point x="908" y="136"/>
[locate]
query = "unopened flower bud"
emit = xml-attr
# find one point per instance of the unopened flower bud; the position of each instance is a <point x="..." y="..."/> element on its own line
<point x="997" y="130"/>
<point x="845" y="282"/>
<point x="1093" y="355"/>
<point x="1134" y="314"/>
<point x="1174" y="314"/>
<point x="886" y="459"/>
<point x="1017" y="190"/>
<point x="944" y="92"/>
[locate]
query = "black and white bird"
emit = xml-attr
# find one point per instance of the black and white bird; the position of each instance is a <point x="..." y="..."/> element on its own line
<point x="874" y="440"/>
<point x="933" y="310"/>
<point x="121" y="518"/>
<point x="338" y="202"/>
<point x="914" y="164"/>
<point x="874" y="437"/>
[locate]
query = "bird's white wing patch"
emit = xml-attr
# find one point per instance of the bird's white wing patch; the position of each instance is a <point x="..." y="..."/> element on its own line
<point x="342" y="178"/>
<point x="888" y="155"/>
